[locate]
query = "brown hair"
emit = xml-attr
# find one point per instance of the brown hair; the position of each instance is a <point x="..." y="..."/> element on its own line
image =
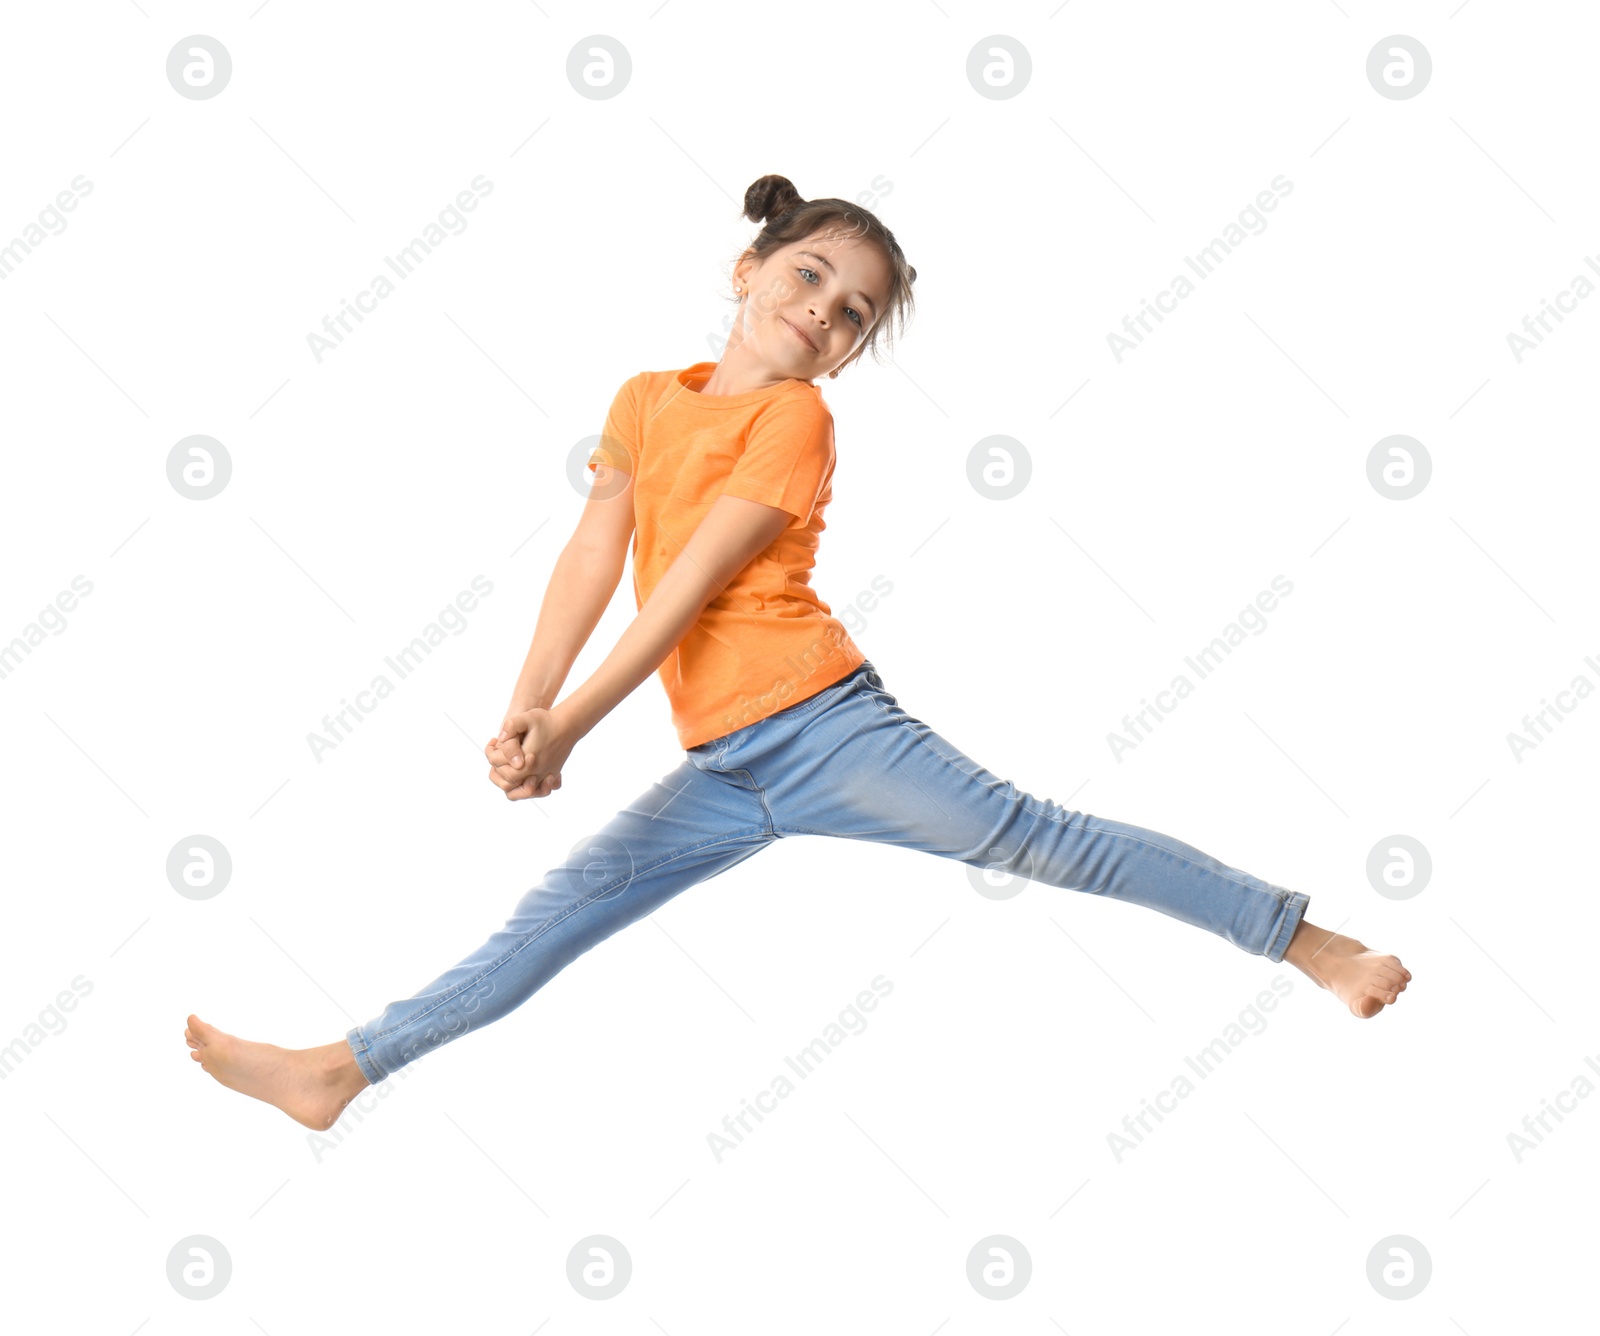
<point x="788" y="218"/>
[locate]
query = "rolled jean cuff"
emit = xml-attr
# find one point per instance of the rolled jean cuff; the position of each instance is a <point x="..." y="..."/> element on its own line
<point x="358" y="1047"/>
<point x="1294" y="909"/>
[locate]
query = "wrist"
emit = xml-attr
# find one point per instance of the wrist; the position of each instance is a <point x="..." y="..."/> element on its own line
<point x="570" y="720"/>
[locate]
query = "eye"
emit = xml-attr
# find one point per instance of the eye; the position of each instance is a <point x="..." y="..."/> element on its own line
<point x="852" y="310"/>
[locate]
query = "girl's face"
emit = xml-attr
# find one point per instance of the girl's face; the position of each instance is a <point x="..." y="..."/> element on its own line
<point x="808" y="306"/>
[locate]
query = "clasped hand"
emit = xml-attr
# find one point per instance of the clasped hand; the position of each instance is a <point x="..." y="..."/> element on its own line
<point x="527" y="756"/>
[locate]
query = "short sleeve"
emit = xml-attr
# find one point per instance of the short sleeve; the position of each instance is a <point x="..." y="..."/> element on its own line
<point x="619" y="441"/>
<point x="788" y="456"/>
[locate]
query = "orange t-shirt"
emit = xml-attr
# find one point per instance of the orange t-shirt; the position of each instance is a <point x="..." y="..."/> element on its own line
<point x="767" y="641"/>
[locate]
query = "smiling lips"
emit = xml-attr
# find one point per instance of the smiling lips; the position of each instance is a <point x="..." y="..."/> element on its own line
<point x="803" y="339"/>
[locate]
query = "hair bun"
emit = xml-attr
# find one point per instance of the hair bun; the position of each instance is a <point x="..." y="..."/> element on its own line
<point x="770" y="197"/>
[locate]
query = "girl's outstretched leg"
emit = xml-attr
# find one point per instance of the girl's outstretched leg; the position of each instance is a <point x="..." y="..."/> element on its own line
<point x="692" y="825"/>
<point x="857" y="766"/>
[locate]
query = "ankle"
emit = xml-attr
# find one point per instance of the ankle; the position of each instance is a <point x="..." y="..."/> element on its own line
<point x="337" y="1066"/>
<point x="1307" y="941"/>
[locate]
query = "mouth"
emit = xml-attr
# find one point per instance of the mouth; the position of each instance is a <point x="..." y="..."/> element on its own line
<point x="803" y="339"/>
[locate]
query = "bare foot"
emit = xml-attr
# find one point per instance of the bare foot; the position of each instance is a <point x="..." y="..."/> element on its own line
<point x="311" y="1085"/>
<point x="1366" y="981"/>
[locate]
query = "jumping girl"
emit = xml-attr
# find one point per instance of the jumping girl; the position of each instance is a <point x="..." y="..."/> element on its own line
<point x="719" y="474"/>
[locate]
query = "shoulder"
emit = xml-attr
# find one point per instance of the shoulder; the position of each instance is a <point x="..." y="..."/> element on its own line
<point x="795" y="426"/>
<point x="800" y="402"/>
<point x="798" y="412"/>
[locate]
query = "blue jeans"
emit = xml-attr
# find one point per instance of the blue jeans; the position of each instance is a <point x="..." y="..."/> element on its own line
<point x="847" y="762"/>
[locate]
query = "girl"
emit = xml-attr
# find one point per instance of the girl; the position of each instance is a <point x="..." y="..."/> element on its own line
<point x="719" y="474"/>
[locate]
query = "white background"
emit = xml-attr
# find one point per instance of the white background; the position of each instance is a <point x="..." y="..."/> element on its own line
<point x="435" y="444"/>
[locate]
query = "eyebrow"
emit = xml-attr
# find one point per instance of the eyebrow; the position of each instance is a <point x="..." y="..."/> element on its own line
<point x="832" y="270"/>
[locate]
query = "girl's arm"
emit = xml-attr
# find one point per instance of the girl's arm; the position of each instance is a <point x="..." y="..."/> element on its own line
<point x="733" y="532"/>
<point x="580" y="588"/>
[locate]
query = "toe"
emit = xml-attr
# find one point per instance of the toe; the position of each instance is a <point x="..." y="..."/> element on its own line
<point x="1368" y="1004"/>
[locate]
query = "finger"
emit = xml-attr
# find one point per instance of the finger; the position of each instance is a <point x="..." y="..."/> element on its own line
<point x="535" y="786"/>
<point x="515" y="773"/>
<point x="501" y="782"/>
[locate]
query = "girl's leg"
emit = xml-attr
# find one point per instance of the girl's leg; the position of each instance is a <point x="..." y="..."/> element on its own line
<point x="861" y="768"/>
<point x="695" y="823"/>
<point x="685" y="829"/>
<point x="852" y="763"/>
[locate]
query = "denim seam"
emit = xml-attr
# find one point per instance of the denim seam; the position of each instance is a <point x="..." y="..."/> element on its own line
<point x="1291" y="900"/>
<point x="361" y="1051"/>
<point x="1035" y="810"/>
<point x="528" y="941"/>
<point x="761" y="793"/>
